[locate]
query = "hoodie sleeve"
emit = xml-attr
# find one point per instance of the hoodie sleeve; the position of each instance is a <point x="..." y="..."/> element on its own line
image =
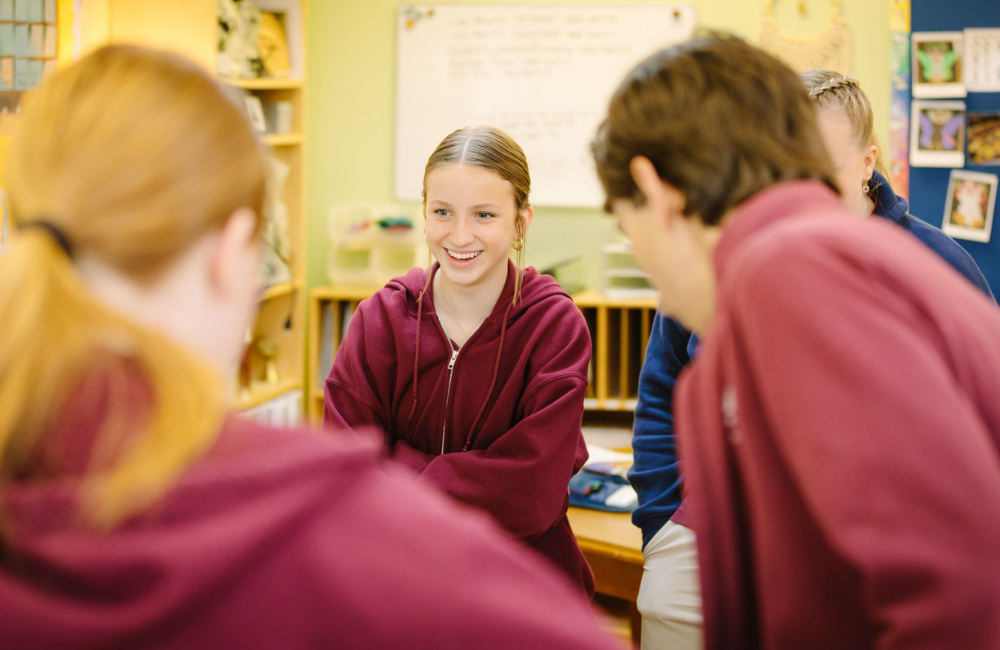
<point x="655" y="475"/>
<point x="522" y="477"/>
<point x="351" y="395"/>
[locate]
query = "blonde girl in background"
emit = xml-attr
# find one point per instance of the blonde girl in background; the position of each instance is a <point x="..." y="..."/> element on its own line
<point x="476" y="368"/>
<point x="133" y="511"/>
<point x="847" y="126"/>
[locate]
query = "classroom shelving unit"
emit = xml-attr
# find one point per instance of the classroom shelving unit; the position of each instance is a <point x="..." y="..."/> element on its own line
<point x="282" y="305"/>
<point x="190" y="28"/>
<point x="619" y="330"/>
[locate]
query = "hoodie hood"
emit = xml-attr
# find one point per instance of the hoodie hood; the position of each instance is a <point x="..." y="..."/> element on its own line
<point x="279" y="539"/>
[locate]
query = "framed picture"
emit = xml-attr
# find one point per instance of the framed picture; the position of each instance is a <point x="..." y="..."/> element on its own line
<point x="984" y="138"/>
<point x="937" y="134"/>
<point x="255" y="111"/>
<point x="287" y="14"/>
<point x="938" y="64"/>
<point x="272" y="45"/>
<point x="968" y="211"/>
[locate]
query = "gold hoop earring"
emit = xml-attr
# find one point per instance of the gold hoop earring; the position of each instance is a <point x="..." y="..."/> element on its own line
<point x="518" y="243"/>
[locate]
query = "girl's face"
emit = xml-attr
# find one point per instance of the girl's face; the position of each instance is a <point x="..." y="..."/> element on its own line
<point x="852" y="164"/>
<point x="470" y="213"/>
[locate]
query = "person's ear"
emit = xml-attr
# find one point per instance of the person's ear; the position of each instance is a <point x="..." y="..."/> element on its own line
<point x="235" y="241"/>
<point x="871" y="157"/>
<point x="526" y="214"/>
<point x="664" y="198"/>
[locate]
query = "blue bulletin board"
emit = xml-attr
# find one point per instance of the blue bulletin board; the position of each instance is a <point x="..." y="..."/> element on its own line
<point x="928" y="185"/>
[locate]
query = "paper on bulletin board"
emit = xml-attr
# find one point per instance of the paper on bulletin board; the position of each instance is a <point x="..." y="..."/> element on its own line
<point x="6" y="40"/>
<point x="22" y="41"/>
<point x="982" y="60"/>
<point x="36" y="11"/>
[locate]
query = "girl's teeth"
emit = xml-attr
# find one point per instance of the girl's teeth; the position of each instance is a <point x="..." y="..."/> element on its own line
<point x="463" y="256"/>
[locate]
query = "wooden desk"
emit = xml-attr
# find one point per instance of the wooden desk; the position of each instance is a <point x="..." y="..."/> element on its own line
<point x="613" y="548"/>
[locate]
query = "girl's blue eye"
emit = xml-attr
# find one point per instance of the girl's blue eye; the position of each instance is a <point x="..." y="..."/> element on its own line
<point x="441" y="212"/>
<point x="484" y="215"/>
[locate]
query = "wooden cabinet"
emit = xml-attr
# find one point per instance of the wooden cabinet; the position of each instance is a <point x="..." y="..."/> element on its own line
<point x="619" y="330"/>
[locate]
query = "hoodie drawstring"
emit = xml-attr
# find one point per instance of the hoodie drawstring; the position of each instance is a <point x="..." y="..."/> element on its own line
<point x="493" y="381"/>
<point x="416" y="365"/>
<point x="416" y="355"/>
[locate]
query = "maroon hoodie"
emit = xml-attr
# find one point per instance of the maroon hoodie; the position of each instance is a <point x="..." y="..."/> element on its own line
<point x="840" y="430"/>
<point x="280" y="539"/>
<point x="503" y="431"/>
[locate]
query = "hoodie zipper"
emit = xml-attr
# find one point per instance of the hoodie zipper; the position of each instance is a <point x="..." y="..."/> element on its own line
<point x="451" y="373"/>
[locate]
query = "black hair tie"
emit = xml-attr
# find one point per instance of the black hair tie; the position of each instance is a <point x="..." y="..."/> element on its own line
<point x="55" y="232"/>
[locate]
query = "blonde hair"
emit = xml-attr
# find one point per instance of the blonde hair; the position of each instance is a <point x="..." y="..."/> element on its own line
<point x="490" y="148"/>
<point x="132" y="155"/>
<point x="829" y="89"/>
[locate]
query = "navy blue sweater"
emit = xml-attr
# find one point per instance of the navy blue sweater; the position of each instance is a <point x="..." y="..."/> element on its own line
<point x="894" y="208"/>
<point x="655" y="474"/>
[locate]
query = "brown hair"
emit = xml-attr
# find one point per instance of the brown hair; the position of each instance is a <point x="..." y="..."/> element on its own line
<point x="490" y="148"/>
<point x="829" y="89"/>
<point x="130" y="155"/>
<point x="719" y="119"/>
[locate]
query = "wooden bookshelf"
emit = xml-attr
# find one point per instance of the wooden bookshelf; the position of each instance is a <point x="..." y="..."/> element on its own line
<point x="189" y="27"/>
<point x="619" y="330"/>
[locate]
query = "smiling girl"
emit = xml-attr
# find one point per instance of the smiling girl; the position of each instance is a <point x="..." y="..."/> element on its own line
<point x="476" y="368"/>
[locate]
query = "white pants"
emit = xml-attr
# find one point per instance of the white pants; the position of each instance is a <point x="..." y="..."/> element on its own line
<point x="669" y="595"/>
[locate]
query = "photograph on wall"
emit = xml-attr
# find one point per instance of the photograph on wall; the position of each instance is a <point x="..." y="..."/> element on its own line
<point x="982" y="60"/>
<point x="984" y="138"/>
<point x="937" y="134"/>
<point x="968" y="211"/>
<point x="937" y="64"/>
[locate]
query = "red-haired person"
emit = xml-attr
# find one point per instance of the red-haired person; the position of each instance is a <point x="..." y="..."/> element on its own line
<point x="135" y="512"/>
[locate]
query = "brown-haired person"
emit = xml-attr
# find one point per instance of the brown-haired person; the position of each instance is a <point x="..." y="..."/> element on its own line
<point x="135" y="513"/>
<point x="847" y="125"/>
<point x="476" y="368"/>
<point x="839" y="425"/>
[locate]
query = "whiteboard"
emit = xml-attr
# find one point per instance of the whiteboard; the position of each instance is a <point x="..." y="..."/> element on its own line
<point x="542" y="73"/>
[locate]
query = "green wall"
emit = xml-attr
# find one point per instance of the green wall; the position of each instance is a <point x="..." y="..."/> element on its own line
<point x="351" y="93"/>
